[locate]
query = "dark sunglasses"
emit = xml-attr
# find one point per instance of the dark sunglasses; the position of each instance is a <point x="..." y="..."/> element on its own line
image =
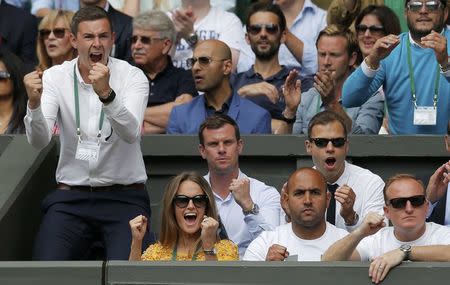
<point x="400" y="203"/>
<point x="182" y="201"/>
<point x="430" y="6"/>
<point x="256" y="29"/>
<point x="373" y="29"/>
<point x="145" y="40"/>
<point x="323" y="142"/>
<point x="58" y="32"/>
<point x="4" y="75"/>
<point x="202" y="61"/>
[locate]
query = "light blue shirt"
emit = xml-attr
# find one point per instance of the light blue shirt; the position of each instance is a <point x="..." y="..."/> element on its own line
<point x="70" y="5"/>
<point x="17" y="3"/>
<point x="309" y="22"/>
<point x="366" y="119"/>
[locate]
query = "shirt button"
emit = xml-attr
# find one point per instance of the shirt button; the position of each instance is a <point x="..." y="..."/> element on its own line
<point x="151" y="94"/>
<point x="152" y="84"/>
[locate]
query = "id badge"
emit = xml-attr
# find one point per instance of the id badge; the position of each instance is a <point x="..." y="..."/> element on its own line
<point x="87" y="151"/>
<point x="425" y="116"/>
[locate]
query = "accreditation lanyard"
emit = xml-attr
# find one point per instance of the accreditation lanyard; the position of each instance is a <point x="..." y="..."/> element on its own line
<point x="174" y="254"/>
<point x="77" y="109"/>
<point x="412" y="83"/>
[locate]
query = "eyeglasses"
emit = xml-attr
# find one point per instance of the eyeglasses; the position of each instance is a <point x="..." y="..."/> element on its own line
<point x="144" y="39"/>
<point x="4" y="75"/>
<point x="400" y="203"/>
<point x="58" y="32"/>
<point x="257" y="28"/>
<point x="202" y="61"/>
<point x="182" y="201"/>
<point x="374" y="29"/>
<point x="323" y="142"/>
<point x="430" y="6"/>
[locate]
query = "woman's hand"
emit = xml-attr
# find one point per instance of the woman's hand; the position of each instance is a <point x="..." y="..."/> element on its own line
<point x="209" y="232"/>
<point x="138" y="227"/>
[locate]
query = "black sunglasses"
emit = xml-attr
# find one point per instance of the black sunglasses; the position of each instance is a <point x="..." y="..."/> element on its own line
<point x="182" y="201"/>
<point x="374" y="29"/>
<point x="257" y="28"/>
<point x="4" y="75"/>
<point x="58" y="32"/>
<point x="430" y="6"/>
<point x="323" y="142"/>
<point x="144" y="39"/>
<point x="400" y="203"/>
<point x="202" y="61"/>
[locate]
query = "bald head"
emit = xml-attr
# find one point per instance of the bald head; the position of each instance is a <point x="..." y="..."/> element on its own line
<point x="219" y="49"/>
<point x="306" y="174"/>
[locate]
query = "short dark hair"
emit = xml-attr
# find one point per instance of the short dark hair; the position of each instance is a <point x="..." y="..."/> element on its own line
<point x="324" y="118"/>
<point x="215" y="122"/>
<point x="88" y="13"/>
<point x="336" y="30"/>
<point x="398" y="177"/>
<point x="444" y="2"/>
<point x="385" y="15"/>
<point x="272" y="8"/>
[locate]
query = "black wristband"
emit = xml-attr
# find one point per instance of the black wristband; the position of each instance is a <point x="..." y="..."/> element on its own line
<point x="108" y="99"/>
<point x="287" y="120"/>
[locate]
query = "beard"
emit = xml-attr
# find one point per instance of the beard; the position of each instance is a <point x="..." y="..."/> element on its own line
<point x="438" y="25"/>
<point x="266" y="54"/>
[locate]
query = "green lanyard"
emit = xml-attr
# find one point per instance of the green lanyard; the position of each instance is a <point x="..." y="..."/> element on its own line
<point x="412" y="83"/>
<point x="174" y="254"/>
<point x="77" y="108"/>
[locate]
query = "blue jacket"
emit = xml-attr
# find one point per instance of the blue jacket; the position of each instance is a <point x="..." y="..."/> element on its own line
<point x="251" y="119"/>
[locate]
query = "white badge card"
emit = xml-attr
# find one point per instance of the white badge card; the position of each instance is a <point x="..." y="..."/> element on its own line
<point x="425" y="116"/>
<point x="88" y="151"/>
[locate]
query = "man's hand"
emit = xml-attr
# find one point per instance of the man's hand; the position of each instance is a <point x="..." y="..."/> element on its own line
<point x="345" y="195"/>
<point x="260" y="88"/>
<point x="277" y="252"/>
<point x="209" y="232"/>
<point x="292" y="93"/>
<point x="138" y="227"/>
<point x="437" y="186"/>
<point x="381" y="265"/>
<point x="99" y="77"/>
<point x="324" y="83"/>
<point x="438" y="43"/>
<point x="33" y="85"/>
<point x="372" y="223"/>
<point x="183" y="21"/>
<point x="381" y="49"/>
<point x="240" y="188"/>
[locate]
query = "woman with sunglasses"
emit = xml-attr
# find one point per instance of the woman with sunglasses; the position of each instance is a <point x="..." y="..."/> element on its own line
<point x="13" y="98"/>
<point x="53" y="46"/>
<point x="189" y="225"/>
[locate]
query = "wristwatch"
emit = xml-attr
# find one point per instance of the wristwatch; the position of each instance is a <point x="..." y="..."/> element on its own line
<point x="192" y="39"/>
<point x="108" y="99"/>
<point x="288" y="120"/>
<point x="254" y="210"/>
<point x="355" y="220"/>
<point x="446" y="66"/>
<point x="406" y="248"/>
<point x="210" y="251"/>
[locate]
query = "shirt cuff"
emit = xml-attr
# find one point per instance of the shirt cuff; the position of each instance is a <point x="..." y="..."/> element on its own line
<point x="367" y="70"/>
<point x="446" y="73"/>
<point x="35" y="114"/>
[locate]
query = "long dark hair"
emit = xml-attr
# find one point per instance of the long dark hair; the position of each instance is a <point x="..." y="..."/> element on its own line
<point x="15" y="68"/>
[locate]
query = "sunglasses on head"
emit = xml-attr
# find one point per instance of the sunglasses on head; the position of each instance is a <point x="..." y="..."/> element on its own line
<point x="202" y="61"/>
<point x="144" y="39"/>
<point x="4" y="75"/>
<point x="400" y="203"/>
<point x="323" y="142"/>
<point x="182" y="201"/>
<point x="430" y="6"/>
<point x="257" y="28"/>
<point x="373" y="29"/>
<point x="58" y="32"/>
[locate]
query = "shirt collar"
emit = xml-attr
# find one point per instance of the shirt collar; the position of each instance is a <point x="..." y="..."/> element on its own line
<point x="284" y="71"/>
<point x="345" y="176"/>
<point x="413" y="43"/>
<point x="308" y="6"/>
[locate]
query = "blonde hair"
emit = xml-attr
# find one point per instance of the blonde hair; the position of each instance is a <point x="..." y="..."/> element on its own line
<point x="48" y="22"/>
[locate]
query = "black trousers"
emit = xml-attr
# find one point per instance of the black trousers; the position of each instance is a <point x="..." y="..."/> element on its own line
<point x="75" y="220"/>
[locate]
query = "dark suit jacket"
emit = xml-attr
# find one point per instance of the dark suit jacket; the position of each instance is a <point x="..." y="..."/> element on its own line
<point x="18" y="32"/>
<point x="251" y="119"/>
<point x="438" y="214"/>
<point x="122" y="26"/>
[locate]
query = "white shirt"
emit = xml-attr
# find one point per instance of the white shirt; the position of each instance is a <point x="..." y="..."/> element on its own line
<point x="243" y="229"/>
<point x="120" y="159"/>
<point x="368" y="188"/>
<point x="384" y="240"/>
<point x="304" y="249"/>
<point x="217" y="24"/>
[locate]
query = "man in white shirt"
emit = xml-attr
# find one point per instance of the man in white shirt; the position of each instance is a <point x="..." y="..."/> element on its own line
<point x="357" y="191"/>
<point x="308" y="234"/>
<point x="246" y="206"/>
<point x="98" y="103"/>
<point x="410" y="237"/>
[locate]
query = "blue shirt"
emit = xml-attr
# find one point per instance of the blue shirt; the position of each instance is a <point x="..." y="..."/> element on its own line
<point x="366" y="119"/>
<point x="393" y="75"/>
<point x="70" y="5"/>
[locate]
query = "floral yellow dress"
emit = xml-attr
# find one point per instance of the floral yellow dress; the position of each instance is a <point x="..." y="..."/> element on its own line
<point x="226" y="251"/>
